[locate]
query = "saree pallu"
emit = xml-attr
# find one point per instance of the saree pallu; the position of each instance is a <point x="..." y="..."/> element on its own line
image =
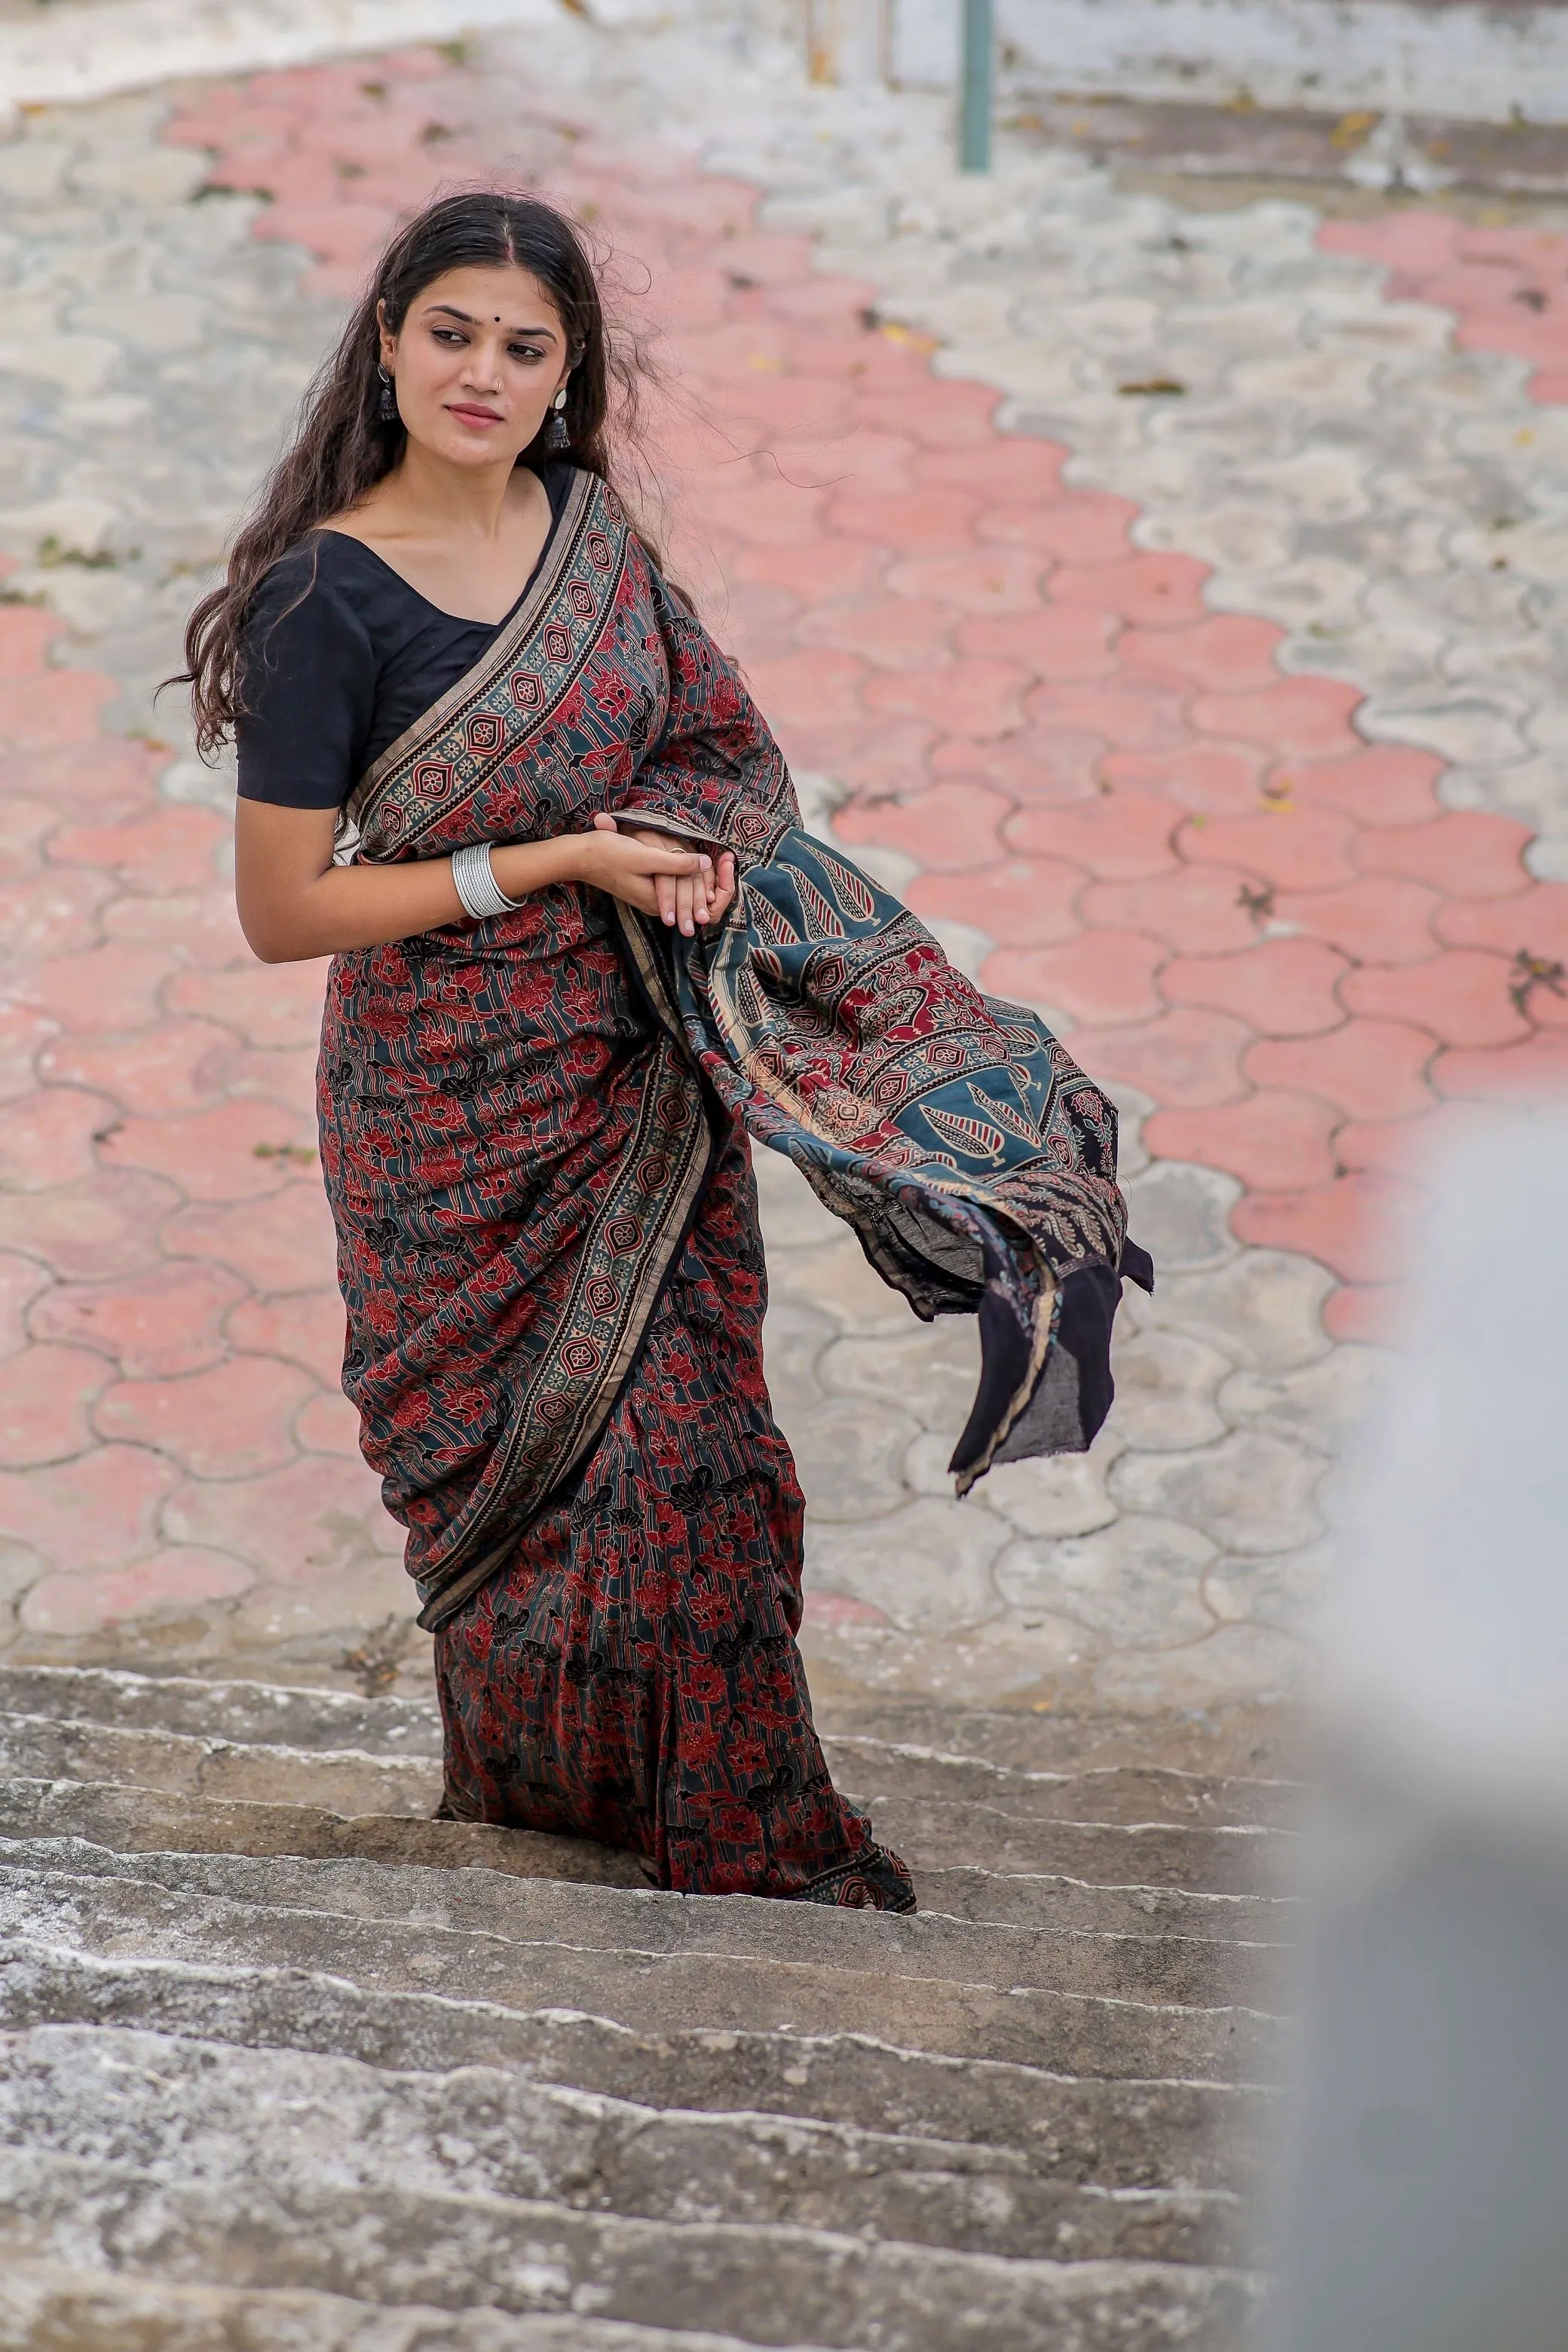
<point x="534" y="1140"/>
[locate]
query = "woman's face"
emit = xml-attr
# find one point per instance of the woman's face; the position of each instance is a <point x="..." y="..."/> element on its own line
<point x="477" y="361"/>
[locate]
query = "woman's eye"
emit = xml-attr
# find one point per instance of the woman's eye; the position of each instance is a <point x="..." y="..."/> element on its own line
<point x="449" y="335"/>
<point x="527" y="351"/>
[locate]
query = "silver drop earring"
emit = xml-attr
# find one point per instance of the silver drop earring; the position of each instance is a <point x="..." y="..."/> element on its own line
<point x="388" y="404"/>
<point x="559" y="437"/>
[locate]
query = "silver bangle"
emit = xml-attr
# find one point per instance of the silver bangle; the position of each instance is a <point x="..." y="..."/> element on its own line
<point x="474" y="880"/>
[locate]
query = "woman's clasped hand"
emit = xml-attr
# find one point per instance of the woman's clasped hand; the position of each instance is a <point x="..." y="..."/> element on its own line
<point x="659" y="873"/>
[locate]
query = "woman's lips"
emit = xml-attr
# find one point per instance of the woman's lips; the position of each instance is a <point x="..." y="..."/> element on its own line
<point x="474" y="415"/>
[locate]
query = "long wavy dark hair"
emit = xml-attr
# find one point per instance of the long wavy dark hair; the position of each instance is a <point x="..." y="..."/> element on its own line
<point x="342" y="447"/>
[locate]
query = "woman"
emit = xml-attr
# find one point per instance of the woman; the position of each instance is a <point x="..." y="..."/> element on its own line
<point x="492" y="765"/>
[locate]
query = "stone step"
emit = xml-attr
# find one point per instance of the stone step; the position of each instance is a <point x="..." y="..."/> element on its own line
<point x="943" y="1834"/>
<point x="132" y="1821"/>
<point x="1125" y="2135"/>
<point x="66" y="2309"/>
<point x="136" y="1821"/>
<point x="215" y="2212"/>
<point x="1225" y="1860"/>
<point x="343" y="1781"/>
<point x="250" y="1713"/>
<point x="98" y="1907"/>
<point x="1123" y="1794"/>
<point x="1243" y="1742"/>
<point x="1186" y="1972"/>
<point x="483" y="2133"/>
<point x="1029" y="1899"/>
<point x="260" y="1714"/>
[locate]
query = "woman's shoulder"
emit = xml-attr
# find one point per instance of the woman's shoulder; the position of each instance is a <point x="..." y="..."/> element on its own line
<point x="325" y="581"/>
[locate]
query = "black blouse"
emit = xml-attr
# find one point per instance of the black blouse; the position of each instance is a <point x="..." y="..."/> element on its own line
<point x="339" y="656"/>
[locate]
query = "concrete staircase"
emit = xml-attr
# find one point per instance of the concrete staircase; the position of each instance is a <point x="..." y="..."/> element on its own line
<point x="285" y="2063"/>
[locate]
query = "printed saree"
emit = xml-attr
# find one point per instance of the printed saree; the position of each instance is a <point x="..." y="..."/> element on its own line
<point x="534" y="1136"/>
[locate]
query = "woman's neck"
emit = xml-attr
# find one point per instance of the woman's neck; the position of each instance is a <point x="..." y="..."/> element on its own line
<point x="426" y="498"/>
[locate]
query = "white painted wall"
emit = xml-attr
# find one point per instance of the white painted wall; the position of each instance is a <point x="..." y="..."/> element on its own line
<point x="1475" y="63"/>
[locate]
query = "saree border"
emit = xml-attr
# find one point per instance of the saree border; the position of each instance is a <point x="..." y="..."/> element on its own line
<point x="370" y="795"/>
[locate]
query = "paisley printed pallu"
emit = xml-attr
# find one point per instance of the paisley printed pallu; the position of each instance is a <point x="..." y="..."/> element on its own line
<point x="521" y="1117"/>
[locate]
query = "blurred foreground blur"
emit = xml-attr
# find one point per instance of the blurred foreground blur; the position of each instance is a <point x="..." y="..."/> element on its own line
<point x="1426" y="2210"/>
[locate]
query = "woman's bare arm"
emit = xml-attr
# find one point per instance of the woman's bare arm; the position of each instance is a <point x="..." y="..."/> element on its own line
<point x="294" y="903"/>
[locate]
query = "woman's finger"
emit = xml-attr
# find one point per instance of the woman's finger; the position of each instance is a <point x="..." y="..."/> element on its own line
<point x="665" y="889"/>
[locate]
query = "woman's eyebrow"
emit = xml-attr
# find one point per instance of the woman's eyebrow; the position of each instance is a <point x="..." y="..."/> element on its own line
<point x="450" y="310"/>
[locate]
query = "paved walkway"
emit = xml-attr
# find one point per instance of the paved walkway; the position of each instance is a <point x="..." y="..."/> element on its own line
<point x="1165" y="602"/>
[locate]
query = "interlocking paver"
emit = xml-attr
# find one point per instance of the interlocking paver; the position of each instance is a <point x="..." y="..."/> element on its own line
<point x="1145" y="703"/>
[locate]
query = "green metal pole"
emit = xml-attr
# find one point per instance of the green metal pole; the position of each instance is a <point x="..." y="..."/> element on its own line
<point x="974" y="112"/>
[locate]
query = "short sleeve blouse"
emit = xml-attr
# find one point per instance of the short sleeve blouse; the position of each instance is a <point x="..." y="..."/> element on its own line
<point x="339" y="656"/>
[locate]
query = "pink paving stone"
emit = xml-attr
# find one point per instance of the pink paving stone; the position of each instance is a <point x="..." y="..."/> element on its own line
<point x="1027" y="902"/>
<point x="328" y="1424"/>
<point x="819" y="687"/>
<point x="284" y="1243"/>
<point x="1422" y="240"/>
<point x="823" y="568"/>
<point x="1226" y="651"/>
<point x="1380" y="920"/>
<point x="170" y="848"/>
<point x="1063" y="642"/>
<point x="1461" y="998"/>
<point x="178" y="1066"/>
<point x="234" y="1151"/>
<point x="1535" y="924"/>
<point x="198" y="927"/>
<point x="88" y="1513"/>
<point x="1034" y="769"/>
<point x="1370" y="1068"/>
<point x="181" y="1575"/>
<point x="94" y="1231"/>
<point x="1123" y="712"/>
<point x="1078" y="527"/>
<point x="1294" y="715"/>
<point x="1213" y="780"/>
<point x="871" y="460"/>
<point x="109" y="777"/>
<point x="1153" y="589"/>
<point x="166" y="1323"/>
<point x="45" y="1396"/>
<point x="57" y="706"/>
<point x="1299" y="849"/>
<point x="902" y="634"/>
<point x="24" y="1035"/>
<point x="306" y="1329"/>
<point x="228" y="1422"/>
<point x="949" y="828"/>
<point x="50" y="1137"/>
<point x="995" y="582"/>
<point x="347" y="233"/>
<point x="978" y="697"/>
<point x="1196" y="910"/>
<point x="1187" y="1058"/>
<point x="1464" y="853"/>
<point x="1535" y="1071"/>
<point x="1281" y="988"/>
<point x="279" y="1074"/>
<point x="1116" y="836"/>
<point x="1014" y="470"/>
<point x="25" y="636"/>
<point x="1272" y="1140"/>
<point x="1362" y="1227"/>
<point x="269" y="1004"/>
<point x="302" y="1525"/>
<point x="939" y="412"/>
<point x="54" y="913"/>
<point x="113" y="987"/>
<point x="1383" y="784"/>
<point x="25" y="823"/>
<point x="919" y="522"/>
<point x="21" y="1280"/>
<point x="1102" y="976"/>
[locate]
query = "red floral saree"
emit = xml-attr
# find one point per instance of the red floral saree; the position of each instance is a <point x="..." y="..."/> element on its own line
<point x="535" y="1138"/>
